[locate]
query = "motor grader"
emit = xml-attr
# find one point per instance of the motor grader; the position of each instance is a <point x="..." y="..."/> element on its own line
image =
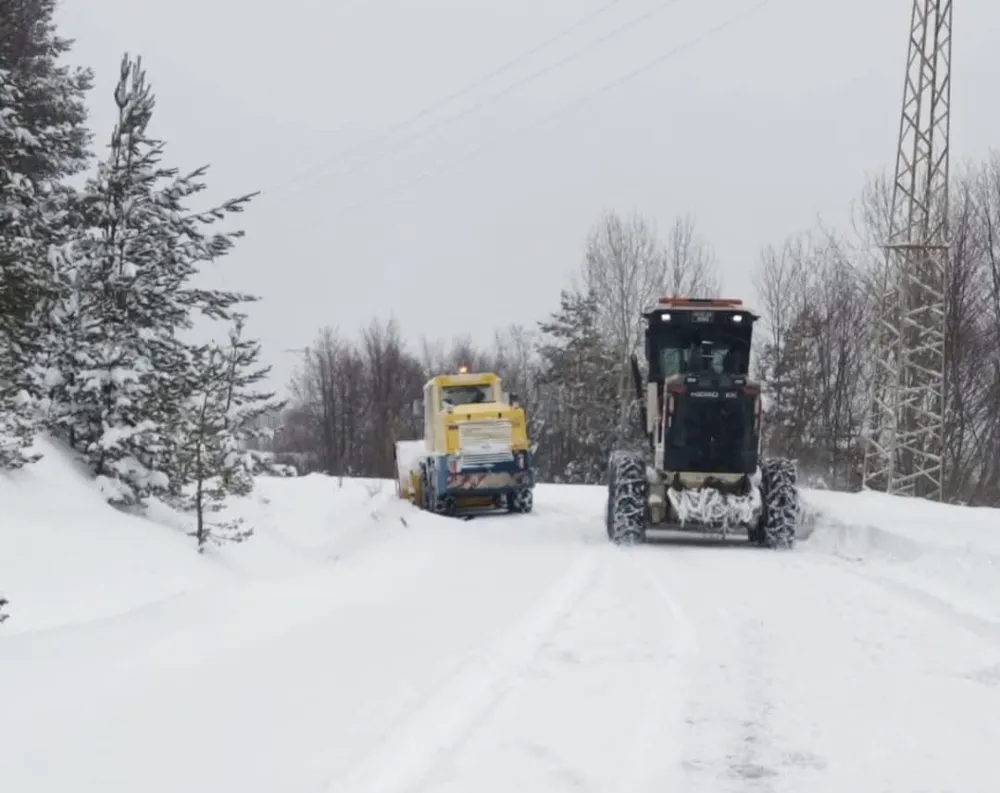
<point x="700" y="469"/>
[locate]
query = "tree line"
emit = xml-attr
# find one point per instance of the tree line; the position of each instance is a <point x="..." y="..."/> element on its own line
<point x="817" y="294"/>
<point x="352" y="396"/>
<point x="813" y="351"/>
<point x="97" y="293"/>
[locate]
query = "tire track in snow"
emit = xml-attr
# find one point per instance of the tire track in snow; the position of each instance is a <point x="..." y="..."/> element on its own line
<point x="653" y="760"/>
<point x="402" y="761"/>
<point x="660" y="705"/>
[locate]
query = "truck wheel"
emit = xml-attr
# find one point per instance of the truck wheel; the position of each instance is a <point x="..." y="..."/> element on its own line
<point x="625" y="518"/>
<point x="780" y="497"/>
<point x="426" y="491"/>
<point x="446" y="505"/>
<point x="521" y="501"/>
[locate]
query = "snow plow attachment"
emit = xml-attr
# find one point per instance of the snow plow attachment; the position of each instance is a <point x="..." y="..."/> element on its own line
<point x="408" y="454"/>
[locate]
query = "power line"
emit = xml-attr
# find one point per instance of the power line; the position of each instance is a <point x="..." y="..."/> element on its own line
<point x="316" y="173"/>
<point x="645" y="67"/>
<point x="468" y="87"/>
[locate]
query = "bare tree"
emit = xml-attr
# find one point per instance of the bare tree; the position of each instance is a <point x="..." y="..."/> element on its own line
<point x="691" y="269"/>
<point x="780" y="283"/>
<point x="394" y="379"/>
<point x="626" y="267"/>
<point x="811" y="356"/>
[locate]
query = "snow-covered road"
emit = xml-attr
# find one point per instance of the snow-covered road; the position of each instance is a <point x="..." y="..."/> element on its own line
<point x="427" y="655"/>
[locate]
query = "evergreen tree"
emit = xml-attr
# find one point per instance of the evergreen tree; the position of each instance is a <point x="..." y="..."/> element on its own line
<point x="43" y="140"/>
<point x="3" y="606"/>
<point x="579" y="378"/>
<point x="126" y="371"/>
<point x="206" y="452"/>
<point x="218" y="422"/>
<point x="789" y="376"/>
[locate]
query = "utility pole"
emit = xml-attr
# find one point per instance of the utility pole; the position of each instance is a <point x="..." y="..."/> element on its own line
<point x="905" y="450"/>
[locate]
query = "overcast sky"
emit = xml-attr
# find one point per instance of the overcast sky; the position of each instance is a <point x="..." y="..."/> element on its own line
<point x="756" y="130"/>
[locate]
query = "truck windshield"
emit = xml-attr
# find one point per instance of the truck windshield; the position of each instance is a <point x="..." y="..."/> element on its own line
<point x="466" y="394"/>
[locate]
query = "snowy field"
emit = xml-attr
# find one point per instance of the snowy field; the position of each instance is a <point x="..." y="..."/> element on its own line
<point x="356" y="645"/>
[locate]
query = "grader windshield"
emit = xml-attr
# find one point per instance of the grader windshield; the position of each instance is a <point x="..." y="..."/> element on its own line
<point x="690" y="341"/>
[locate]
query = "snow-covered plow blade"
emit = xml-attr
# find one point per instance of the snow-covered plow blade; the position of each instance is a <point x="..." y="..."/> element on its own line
<point x="408" y="456"/>
<point x="709" y="509"/>
<point x="764" y="508"/>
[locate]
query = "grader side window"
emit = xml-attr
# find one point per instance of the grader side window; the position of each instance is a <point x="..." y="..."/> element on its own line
<point x="673" y="361"/>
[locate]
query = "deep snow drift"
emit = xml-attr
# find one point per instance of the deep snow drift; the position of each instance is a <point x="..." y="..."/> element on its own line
<point x="357" y="645"/>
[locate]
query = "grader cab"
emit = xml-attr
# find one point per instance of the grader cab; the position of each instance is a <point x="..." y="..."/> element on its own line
<point x="701" y="470"/>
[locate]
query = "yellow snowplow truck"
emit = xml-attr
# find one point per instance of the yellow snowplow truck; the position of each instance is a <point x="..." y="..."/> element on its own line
<point x="475" y="452"/>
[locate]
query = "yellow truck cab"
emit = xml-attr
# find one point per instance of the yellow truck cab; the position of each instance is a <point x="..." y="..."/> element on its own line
<point x="475" y="448"/>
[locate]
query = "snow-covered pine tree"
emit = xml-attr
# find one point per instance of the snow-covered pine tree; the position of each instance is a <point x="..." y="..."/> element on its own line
<point x="43" y="140"/>
<point x="580" y="391"/>
<point x="218" y="421"/>
<point x="20" y="281"/>
<point x="130" y="371"/>
<point x="3" y="609"/>
<point x="244" y="405"/>
<point x="206" y="449"/>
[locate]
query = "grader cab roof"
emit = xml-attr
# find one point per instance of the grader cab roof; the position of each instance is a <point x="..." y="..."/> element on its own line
<point x="700" y="302"/>
<point x="697" y="308"/>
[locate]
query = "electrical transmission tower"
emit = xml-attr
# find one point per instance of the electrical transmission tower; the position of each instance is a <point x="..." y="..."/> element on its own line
<point x="906" y="444"/>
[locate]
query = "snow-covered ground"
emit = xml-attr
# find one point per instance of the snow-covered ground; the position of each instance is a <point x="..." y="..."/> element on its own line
<point x="356" y="645"/>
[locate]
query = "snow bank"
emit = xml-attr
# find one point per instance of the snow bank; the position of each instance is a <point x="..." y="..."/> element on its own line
<point x="69" y="557"/>
<point x="311" y="520"/>
<point x="946" y="555"/>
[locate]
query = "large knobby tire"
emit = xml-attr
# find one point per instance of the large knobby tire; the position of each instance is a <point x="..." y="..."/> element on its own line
<point x="628" y="490"/>
<point x="446" y="505"/>
<point x="521" y="501"/>
<point x="780" y="497"/>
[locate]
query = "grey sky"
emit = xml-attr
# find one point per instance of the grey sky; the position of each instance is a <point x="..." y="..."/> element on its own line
<point x="756" y="130"/>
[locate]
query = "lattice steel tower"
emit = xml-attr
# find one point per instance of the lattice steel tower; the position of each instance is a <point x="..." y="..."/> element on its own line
<point x="906" y="442"/>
